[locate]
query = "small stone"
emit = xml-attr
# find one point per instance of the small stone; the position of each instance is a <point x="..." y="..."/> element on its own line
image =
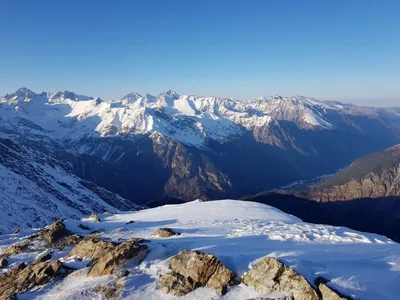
<point x="3" y="263"/>
<point x="95" y="217"/>
<point x="165" y="233"/>
<point x="130" y="222"/>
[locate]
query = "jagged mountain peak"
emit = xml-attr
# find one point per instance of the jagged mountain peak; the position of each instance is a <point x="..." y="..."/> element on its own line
<point x="20" y="93"/>
<point x="68" y="95"/>
<point x="131" y="97"/>
<point x="170" y="93"/>
<point x="25" y="92"/>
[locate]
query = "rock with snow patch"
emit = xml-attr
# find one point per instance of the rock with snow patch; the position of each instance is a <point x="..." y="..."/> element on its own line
<point x="269" y="275"/>
<point x="203" y="269"/>
<point x="43" y="257"/>
<point x="165" y="233"/>
<point x="23" y="278"/>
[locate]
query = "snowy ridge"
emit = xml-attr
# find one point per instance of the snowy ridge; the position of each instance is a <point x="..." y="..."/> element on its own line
<point x="36" y="189"/>
<point x="188" y="119"/>
<point x="361" y="265"/>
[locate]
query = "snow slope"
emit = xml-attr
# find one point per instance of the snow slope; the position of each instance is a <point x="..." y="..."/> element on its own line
<point x="36" y="189"/>
<point x="365" y="266"/>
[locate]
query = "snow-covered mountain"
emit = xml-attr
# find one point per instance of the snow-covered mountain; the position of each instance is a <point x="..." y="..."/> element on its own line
<point x="186" y="146"/>
<point x="359" y="265"/>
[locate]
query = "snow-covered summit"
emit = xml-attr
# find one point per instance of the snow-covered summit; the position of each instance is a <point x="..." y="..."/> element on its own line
<point x="239" y="233"/>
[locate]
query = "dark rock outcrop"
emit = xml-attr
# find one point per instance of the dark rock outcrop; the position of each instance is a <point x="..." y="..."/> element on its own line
<point x="3" y="263"/>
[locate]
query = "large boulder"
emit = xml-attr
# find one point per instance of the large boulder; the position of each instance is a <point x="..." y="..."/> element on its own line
<point x="269" y="275"/>
<point x="54" y="232"/>
<point x="165" y="233"/>
<point x="117" y="256"/>
<point x="23" y="278"/>
<point x="92" y="247"/>
<point x="195" y="269"/>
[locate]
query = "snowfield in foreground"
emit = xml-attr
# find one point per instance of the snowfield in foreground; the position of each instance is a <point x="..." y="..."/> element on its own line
<point x="361" y="265"/>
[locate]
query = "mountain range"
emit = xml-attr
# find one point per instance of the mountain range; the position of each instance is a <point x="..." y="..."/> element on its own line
<point x="150" y="150"/>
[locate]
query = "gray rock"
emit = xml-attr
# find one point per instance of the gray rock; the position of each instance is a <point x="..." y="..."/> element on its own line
<point x="269" y="275"/>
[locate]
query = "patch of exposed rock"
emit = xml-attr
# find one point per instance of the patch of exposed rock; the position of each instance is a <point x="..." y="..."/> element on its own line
<point x="23" y="278"/>
<point x="269" y="275"/>
<point x="107" y="256"/>
<point x="328" y="293"/>
<point x="165" y="233"/>
<point x="110" y="290"/>
<point x="92" y="247"/>
<point x="95" y="217"/>
<point x="192" y="269"/>
<point x="55" y="235"/>
<point x="106" y="264"/>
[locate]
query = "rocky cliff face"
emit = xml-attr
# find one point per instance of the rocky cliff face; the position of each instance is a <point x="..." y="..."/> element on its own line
<point x="372" y="176"/>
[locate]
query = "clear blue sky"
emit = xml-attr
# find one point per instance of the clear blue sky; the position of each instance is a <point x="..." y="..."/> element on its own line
<point x="342" y="49"/>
